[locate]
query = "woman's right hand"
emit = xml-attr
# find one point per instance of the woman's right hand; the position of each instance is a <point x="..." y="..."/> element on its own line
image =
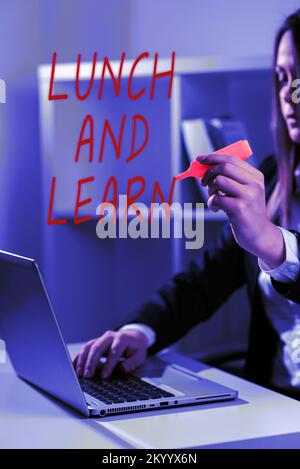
<point x="131" y="345"/>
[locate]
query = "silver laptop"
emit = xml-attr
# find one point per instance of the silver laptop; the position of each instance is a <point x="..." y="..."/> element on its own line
<point x="39" y="356"/>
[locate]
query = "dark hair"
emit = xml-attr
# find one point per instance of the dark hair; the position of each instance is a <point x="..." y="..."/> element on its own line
<point x="286" y="150"/>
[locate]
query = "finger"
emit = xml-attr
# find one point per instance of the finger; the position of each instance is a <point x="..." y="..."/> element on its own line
<point x="228" y="204"/>
<point x="116" y="350"/>
<point x="227" y="185"/>
<point x="229" y="170"/>
<point x="134" y="361"/>
<point x="215" y="158"/>
<point x="97" y="349"/>
<point x="210" y="204"/>
<point x="82" y="357"/>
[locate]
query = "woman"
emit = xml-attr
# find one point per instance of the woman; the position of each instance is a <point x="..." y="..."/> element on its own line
<point x="259" y="247"/>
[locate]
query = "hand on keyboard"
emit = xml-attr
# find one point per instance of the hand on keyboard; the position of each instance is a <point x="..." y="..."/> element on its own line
<point x="131" y="345"/>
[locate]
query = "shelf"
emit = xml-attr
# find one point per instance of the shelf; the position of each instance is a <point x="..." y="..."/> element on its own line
<point x="215" y="216"/>
<point x="209" y="216"/>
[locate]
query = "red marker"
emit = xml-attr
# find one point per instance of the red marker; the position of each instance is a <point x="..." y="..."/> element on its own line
<point x="240" y="149"/>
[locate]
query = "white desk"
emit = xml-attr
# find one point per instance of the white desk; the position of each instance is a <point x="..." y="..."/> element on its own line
<point x="258" y="419"/>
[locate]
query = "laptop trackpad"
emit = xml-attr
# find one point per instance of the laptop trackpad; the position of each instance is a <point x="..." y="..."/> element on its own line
<point x="174" y="381"/>
<point x="165" y="387"/>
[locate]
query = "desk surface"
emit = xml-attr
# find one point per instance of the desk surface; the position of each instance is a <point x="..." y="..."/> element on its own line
<point x="260" y="418"/>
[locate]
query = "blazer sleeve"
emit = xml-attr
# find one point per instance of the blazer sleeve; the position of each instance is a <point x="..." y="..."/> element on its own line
<point x="290" y="290"/>
<point x="195" y="294"/>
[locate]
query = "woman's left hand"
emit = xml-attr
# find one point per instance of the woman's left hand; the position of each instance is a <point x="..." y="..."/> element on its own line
<point x="245" y="205"/>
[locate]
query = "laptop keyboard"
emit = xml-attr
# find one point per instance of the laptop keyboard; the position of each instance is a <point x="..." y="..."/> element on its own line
<point x="119" y="390"/>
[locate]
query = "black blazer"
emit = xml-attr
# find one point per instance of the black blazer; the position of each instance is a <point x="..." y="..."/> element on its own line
<point x="192" y="296"/>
